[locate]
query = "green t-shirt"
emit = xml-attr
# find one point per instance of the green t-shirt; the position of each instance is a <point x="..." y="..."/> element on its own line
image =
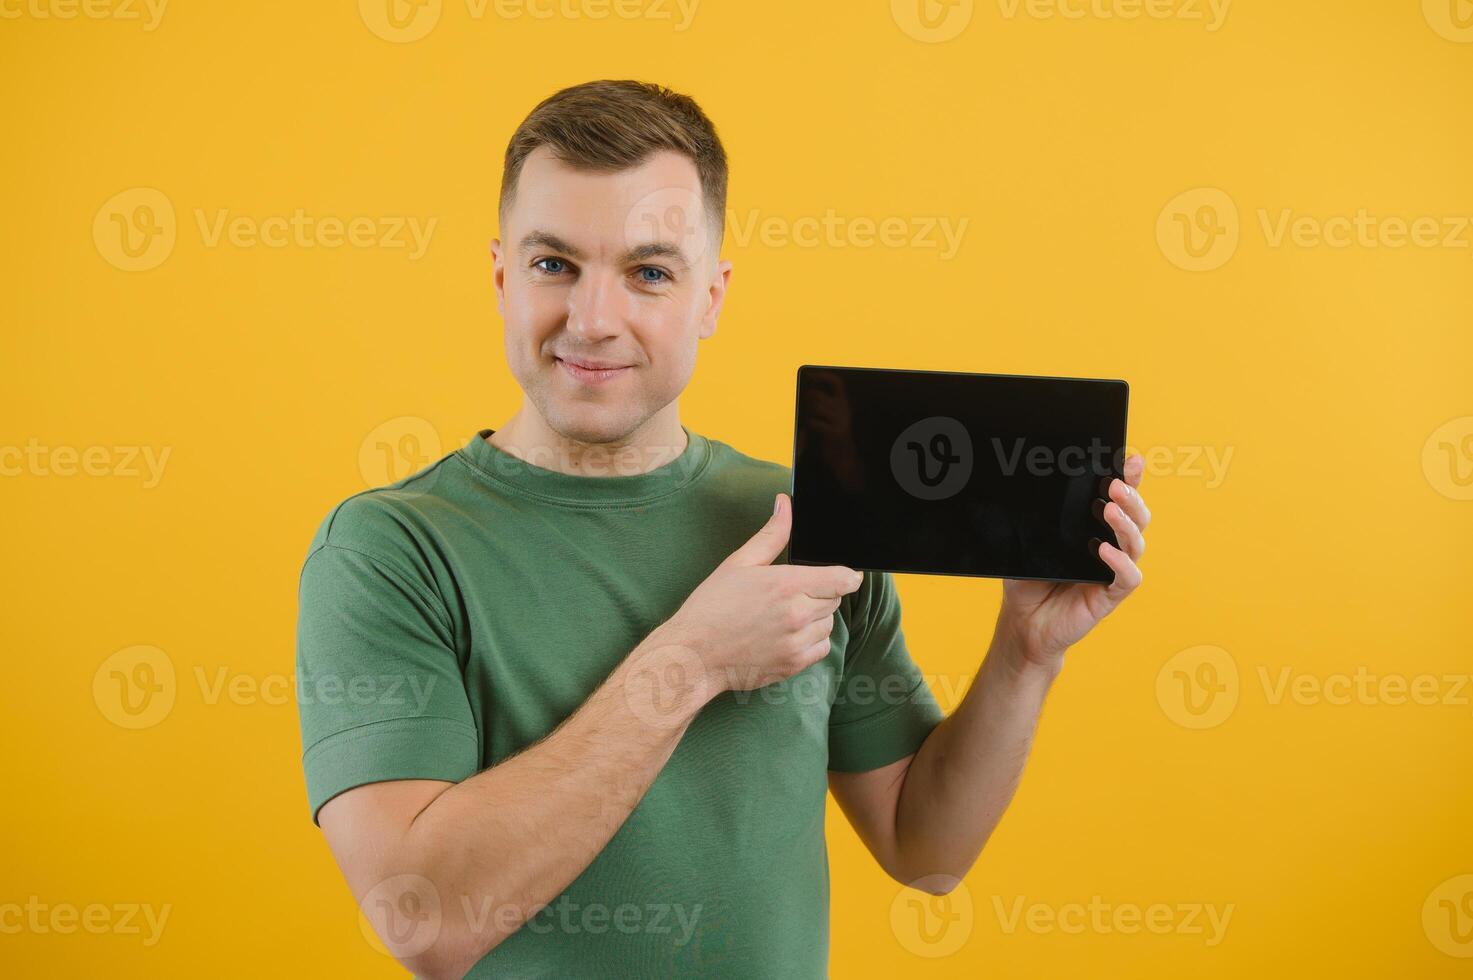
<point x="454" y="618"/>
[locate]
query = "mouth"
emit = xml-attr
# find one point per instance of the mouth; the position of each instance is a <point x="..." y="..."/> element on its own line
<point x="592" y="372"/>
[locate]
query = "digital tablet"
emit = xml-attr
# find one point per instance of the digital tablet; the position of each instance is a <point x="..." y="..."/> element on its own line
<point x="948" y="473"/>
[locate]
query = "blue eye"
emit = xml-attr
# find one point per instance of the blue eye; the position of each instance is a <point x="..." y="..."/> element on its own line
<point x="544" y="265"/>
<point x="659" y="275"/>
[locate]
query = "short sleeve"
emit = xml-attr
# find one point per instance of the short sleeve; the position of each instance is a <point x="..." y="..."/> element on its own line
<point x="883" y="709"/>
<point x="379" y="685"/>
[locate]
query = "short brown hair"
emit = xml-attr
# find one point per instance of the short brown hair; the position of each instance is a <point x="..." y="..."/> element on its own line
<point x="607" y="126"/>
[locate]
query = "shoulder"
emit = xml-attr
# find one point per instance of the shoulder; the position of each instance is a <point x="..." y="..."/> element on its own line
<point x="736" y="467"/>
<point x="387" y="523"/>
<point x="738" y="490"/>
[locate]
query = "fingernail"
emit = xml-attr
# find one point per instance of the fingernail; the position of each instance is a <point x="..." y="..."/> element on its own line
<point x="777" y="505"/>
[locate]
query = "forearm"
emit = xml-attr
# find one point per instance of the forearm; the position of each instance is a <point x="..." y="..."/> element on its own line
<point x="504" y="843"/>
<point x="966" y="772"/>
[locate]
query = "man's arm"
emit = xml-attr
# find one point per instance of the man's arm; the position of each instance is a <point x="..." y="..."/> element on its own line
<point x="490" y="851"/>
<point x="927" y="817"/>
<point x="496" y="848"/>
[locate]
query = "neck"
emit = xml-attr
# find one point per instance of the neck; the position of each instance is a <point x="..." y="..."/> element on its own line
<point x="657" y="441"/>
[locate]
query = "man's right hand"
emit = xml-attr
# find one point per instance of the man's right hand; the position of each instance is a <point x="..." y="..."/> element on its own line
<point x="753" y="623"/>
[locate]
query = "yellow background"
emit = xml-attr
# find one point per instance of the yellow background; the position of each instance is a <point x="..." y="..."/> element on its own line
<point x="1338" y="537"/>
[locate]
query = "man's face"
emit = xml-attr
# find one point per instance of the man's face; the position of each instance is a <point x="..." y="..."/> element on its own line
<point x="606" y="283"/>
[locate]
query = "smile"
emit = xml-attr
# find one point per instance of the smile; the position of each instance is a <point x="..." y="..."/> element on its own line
<point x="591" y="375"/>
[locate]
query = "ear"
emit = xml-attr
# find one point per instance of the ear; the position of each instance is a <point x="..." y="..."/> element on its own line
<point x="498" y="274"/>
<point x="719" y="283"/>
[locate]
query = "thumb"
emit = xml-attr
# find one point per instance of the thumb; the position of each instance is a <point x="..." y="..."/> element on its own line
<point x="768" y="542"/>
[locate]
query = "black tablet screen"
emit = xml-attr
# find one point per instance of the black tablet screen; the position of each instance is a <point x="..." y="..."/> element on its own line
<point x="957" y="474"/>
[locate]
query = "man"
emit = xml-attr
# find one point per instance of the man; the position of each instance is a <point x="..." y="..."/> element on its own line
<point x="585" y="717"/>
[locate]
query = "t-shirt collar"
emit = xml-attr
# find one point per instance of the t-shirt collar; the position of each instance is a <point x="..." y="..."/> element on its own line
<point x="613" y="479"/>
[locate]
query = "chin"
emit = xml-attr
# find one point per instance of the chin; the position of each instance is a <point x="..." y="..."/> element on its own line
<point x="590" y="424"/>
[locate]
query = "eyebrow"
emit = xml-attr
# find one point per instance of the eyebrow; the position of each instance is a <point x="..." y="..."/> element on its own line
<point x="649" y="250"/>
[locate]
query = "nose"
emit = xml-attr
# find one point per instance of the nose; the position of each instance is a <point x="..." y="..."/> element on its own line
<point x="596" y="306"/>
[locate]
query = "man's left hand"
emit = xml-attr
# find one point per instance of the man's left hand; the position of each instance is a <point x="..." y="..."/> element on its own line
<point x="1041" y="620"/>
